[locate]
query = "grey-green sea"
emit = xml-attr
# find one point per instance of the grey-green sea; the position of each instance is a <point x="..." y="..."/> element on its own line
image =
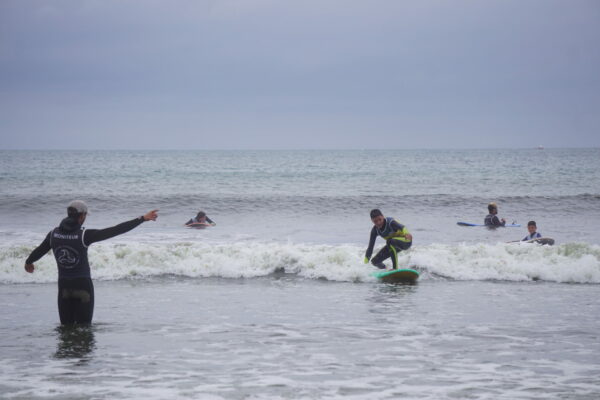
<point x="275" y="302"/>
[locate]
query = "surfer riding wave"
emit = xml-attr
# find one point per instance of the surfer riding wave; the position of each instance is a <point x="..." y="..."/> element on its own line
<point x="396" y="235"/>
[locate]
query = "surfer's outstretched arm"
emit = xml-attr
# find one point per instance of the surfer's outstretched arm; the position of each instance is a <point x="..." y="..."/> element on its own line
<point x="97" y="235"/>
<point x="37" y="253"/>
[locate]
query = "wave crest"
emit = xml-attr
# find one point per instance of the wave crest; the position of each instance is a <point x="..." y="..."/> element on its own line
<point x="569" y="263"/>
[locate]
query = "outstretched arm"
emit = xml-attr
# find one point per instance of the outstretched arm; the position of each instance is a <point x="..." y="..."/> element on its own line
<point x="97" y="235"/>
<point x="37" y="253"/>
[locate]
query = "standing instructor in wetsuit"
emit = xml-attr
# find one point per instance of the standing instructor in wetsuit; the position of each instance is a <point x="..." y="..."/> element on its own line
<point x="69" y="242"/>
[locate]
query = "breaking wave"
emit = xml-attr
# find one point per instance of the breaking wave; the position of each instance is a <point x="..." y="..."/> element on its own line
<point x="566" y="263"/>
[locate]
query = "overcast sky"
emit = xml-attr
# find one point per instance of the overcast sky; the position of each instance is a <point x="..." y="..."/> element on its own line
<point x="283" y="74"/>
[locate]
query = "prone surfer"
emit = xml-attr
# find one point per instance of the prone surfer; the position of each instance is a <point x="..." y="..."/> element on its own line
<point x="69" y="242"/>
<point x="200" y="218"/>
<point x="492" y="218"/>
<point x="533" y="234"/>
<point x="396" y="235"/>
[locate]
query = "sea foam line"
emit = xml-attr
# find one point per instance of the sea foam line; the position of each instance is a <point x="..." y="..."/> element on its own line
<point x="570" y="262"/>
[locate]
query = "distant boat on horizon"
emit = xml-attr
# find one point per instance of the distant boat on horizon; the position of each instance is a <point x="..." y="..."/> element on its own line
<point x="540" y="147"/>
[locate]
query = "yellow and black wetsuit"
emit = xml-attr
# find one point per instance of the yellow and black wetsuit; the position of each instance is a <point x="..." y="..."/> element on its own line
<point x="395" y="235"/>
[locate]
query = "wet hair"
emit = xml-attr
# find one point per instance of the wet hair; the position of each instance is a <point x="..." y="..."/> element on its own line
<point x="531" y="223"/>
<point x="72" y="212"/>
<point x="492" y="207"/>
<point x="201" y="214"/>
<point x="376" y="212"/>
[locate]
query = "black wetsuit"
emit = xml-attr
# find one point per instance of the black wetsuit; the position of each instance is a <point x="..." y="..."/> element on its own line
<point x="393" y="244"/>
<point x="195" y="221"/>
<point x="493" y="220"/>
<point x="69" y="243"/>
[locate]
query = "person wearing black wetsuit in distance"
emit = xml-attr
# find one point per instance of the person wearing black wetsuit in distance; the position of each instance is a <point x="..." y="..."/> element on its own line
<point x="492" y="218"/>
<point x="396" y="235"/>
<point x="200" y="218"/>
<point x="69" y="242"/>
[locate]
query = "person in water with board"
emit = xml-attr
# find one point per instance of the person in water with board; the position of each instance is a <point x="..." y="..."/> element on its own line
<point x="69" y="242"/>
<point x="396" y="235"/>
<point x="492" y="218"/>
<point x="533" y="234"/>
<point x="200" y="219"/>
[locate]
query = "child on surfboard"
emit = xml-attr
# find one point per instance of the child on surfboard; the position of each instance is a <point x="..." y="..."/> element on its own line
<point x="533" y="234"/>
<point x="200" y="220"/>
<point x="396" y="235"/>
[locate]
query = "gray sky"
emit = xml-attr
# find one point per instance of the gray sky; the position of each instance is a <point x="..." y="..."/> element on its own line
<point x="270" y="74"/>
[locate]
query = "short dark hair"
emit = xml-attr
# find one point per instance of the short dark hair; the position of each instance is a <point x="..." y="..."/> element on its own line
<point x="376" y="212"/>
<point x="72" y="212"/>
<point x="201" y="214"/>
<point x="531" y="223"/>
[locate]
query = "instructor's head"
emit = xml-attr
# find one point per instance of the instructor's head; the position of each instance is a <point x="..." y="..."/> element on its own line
<point x="493" y="208"/>
<point x="77" y="209"/>
<point x="377" y="218"/>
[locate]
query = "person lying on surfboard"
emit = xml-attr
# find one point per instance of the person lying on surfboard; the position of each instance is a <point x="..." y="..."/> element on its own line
<point x="396" y="235"/>
<point x="492" y="218"/>
<point x="201" y="218"/>
<point x="533" y="234"/>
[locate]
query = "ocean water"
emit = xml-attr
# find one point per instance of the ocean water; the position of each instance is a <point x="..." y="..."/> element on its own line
<point x="275" y="302"/>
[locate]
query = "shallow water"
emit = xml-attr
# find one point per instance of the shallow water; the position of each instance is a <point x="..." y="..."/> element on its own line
<point x="286" y="337"/>
<point x="275" y="301"/>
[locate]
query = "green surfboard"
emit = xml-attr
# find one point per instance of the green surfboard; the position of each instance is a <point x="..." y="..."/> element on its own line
<point x="397" y="276"/>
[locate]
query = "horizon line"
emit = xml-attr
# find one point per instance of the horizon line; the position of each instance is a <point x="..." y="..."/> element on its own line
<point x="303" y="149"/>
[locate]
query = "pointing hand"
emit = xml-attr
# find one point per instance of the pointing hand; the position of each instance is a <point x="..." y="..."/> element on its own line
<point x="151" y="215"/>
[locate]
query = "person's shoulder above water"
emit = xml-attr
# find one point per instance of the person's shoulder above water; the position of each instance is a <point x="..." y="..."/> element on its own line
<point x="492" y="218"/>
<point x="533" y="233"/>
<point x="201" y="219"/>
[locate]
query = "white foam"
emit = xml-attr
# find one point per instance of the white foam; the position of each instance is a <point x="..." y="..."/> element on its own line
<point x="572" y="262"/>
